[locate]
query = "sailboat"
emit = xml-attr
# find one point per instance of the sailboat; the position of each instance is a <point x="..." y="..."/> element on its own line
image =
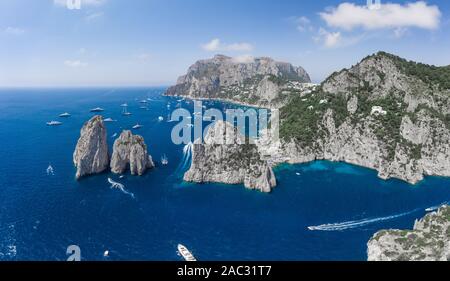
<point x="125" y="110"/>
<point x="164" y="160"/>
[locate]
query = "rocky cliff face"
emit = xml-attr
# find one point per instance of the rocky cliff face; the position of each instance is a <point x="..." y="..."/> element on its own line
<point x="130" y="152"/>
<point x="91" y="152"/>
<point x="225" y="157"/>
<point x="256" y="81"/>
<point x="428" y="241"/>
<point x="384" y="113"/>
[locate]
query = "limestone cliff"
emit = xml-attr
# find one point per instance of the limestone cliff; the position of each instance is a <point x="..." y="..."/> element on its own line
<point x="385" y="113"/>
<point x="226" y="157"/>
<point x="428" y="241"/>
<point x="130" y="152"/>
<point x="254" y="81"/>
<point x="91" y="152"/>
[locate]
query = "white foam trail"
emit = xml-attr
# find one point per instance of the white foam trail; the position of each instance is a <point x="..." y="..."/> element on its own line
<point x="187" y="154"/>
<point x="435" y="208"/>
<point x="355" y="224"/>
<point x="121" y="187"/>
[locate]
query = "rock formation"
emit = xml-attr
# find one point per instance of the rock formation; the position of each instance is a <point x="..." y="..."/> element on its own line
<point x="429" y="241"/>
<point x="91" y="153"/>
<point x="226" y="157"/>
<point x="130" y="152"/>
<point x="254" y="81"/>
<point x="411" y="137"/>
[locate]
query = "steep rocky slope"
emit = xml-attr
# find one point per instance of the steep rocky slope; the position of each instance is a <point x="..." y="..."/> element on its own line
<point x="130" y="152"/>
<point x="255" y="81"/>
<point x="385" y="113"/>
<point x="226" y="157"/>
<point x="429" y="240"/>
<point x="91" y="153"/>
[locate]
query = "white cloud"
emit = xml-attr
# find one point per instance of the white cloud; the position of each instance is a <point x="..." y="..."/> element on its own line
<point x="328" y="39"/>
<point x="14" y="30"/>
<point x="84" y="3"/>
<point x="337" y="39"/>
<point x="302" y="23"/>
<point x="215" y="45"/>
<point x="75" y="63"/>
<point x="348" y="16"/>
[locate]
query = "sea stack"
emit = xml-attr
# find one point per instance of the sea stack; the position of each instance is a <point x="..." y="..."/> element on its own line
<point x="226" y="157"/>
<point x="91" y="153"/>
<point x="130" y="152"/>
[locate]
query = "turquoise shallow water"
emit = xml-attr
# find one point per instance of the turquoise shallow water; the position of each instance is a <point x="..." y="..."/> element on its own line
<point x="41" y="215"/>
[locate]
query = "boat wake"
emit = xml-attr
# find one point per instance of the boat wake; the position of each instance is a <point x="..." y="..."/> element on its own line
<point x="187" y="154"/>
<point x="357" y="223"/>
<point x="435" y="208"/>
<point x="121" y="187"/>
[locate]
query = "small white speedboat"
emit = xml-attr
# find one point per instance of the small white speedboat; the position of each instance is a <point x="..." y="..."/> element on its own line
<point x="164" y="160"/>
<point x="54" y="123"/>
<point x="109" y="120"/>
<point x="185" y="253"/>
<point x="106" y="254"/>
<point x="160" y="118"/>
<point x="97" y="109"/>
<point x="137" y="126"/>
<point x="65" y="115"/>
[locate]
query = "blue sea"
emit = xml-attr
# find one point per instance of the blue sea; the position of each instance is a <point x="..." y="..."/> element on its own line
<point x="320" y="211"/>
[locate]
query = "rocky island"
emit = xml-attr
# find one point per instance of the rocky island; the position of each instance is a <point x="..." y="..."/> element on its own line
<point x="130" y="152"/>
<point x="91" y="153"/>
<point x="428" y="241"/>
<point x="226" y="157"/>
<point x="262" y="82"/>
<point x="385" y="113"/>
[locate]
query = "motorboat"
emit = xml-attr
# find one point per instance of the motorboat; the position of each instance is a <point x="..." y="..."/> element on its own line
<point x="185" y="253"/>
<point x="97" y="109"/>
<point x="65" y="115"/>
<point x="54" y="123"/>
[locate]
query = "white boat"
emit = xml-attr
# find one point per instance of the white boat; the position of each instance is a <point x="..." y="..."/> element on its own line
<point x="54" y="123"/>
<point x="106" y="254"/>
<point x="124" y="105"/>
<point x="109" y="120"/>
<point x="65" y="114"/>
<point x="164" y="160"/>
<point x="143" y="101"/>
<point x="137" y="126"/>
<point x="160" y="118"/>
<point x="50" y="171"/>
<point x="185" y="253"/>
<point x="125" y="111"/>
<point x="114" y="135"/>
<point x="97" y="109"/>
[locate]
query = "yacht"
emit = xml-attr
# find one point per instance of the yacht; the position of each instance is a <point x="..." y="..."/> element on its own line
<point x="143" y="101"/>
<point x="164" y="160"/>
<point x="54" y="123"/>
<point x="137" y="126"/>
<point x="185" y="253"/>
<point x="109" y="120"/>
<point x="160" y="118"/>
<point x="66" y="114"/>
<point x="124" y="105"/>
<point x="97" y="109"/>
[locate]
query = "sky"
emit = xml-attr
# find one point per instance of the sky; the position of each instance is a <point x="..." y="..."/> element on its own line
<point x="52" y="43"/>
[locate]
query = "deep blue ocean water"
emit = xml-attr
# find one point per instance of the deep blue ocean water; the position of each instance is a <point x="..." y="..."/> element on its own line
<point x="41" y="215"/>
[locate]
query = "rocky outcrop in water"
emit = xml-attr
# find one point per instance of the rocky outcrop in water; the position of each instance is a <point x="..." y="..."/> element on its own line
<point x="130" y="152"/>
<point x="385" y="113"/>
<point x="428" y="241"/>
<point x="91" y="153"/>
<point x="226" y="157"/>
<point x="254" y="81"/>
